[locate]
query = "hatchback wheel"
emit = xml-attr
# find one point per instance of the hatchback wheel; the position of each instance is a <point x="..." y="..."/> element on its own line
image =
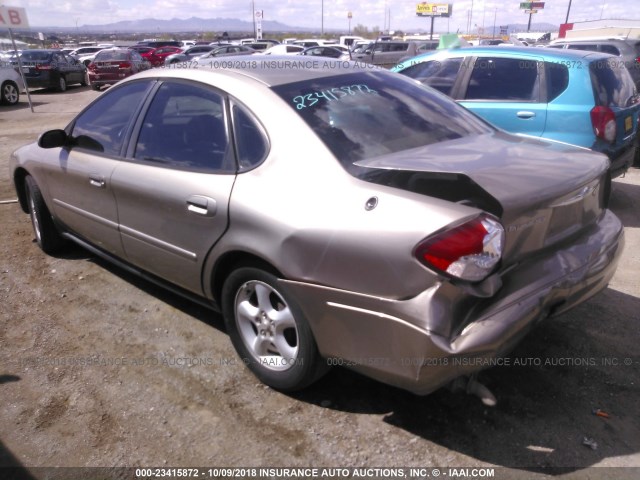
<point x="62" y="84"/>
<point x="47" y="235"/>
<point x="10" y="94"/>
<point x="269" y="331"/>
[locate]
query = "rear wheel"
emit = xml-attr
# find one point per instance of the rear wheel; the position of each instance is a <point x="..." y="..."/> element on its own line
<point x="95" y="87"/>
<point x="269" y="331"/>
<point x="9" y="94"/>
<point x="62" y="84"/>
<point x="47" y="235"/>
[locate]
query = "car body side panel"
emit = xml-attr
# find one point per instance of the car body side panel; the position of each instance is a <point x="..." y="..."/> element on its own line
<point x="523" y="117"/>
<point x="79" y="186"/>
<point x="169" y="219"/>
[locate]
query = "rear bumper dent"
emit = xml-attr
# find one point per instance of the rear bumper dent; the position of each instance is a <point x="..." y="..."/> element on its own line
<point x="390" y="340"/>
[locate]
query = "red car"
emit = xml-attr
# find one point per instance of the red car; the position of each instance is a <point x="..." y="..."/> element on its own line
<point x="145" y="52"/>
<point x="112" y="65"/>
<point x="157" y="56"/>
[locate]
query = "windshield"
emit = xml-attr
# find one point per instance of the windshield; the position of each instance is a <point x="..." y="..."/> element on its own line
<point x="368" y="114"/>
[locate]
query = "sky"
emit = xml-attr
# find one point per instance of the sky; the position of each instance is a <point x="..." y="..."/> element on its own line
<point x="398" y="14"/>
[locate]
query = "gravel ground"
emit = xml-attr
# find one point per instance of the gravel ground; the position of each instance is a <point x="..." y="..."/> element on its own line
<point x="101" y="369"/>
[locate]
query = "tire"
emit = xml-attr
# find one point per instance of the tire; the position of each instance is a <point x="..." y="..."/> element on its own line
<point x="47" y="235"/>
<point x="95" y="87"/>
<point x="10" y="93"/>
<point x="62" y="84"/>
<point x="266" y="326"/>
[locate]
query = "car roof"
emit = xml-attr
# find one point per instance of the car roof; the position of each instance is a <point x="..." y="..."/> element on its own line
<point x="544" y="53"/>
<point x="271" y="70"/>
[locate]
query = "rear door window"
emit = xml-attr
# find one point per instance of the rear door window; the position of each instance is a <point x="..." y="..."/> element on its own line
<point x="185" y="128"/>
<point x="504" y="79"/>
<point x="557" y="79"/>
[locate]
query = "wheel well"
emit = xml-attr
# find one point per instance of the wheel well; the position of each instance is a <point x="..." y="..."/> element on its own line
<point x="232" y="261"/>
<point x="18" y="180"/>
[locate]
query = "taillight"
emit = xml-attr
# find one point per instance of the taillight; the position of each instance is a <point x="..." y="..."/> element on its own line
<point x="43" y="66"/>
<point x="92" y="67"/>
<point x="604" y="123"/>
<point x="469" y="251"/>
<point x="124" y="65"/>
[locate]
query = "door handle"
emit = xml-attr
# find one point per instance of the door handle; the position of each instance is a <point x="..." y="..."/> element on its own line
<point x="526" y="114"/>
<point x="202" y="205"/>
<point x="97" y="181"/>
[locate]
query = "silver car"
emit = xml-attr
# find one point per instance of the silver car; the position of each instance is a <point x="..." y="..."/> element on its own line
<point x="336" y="213"/>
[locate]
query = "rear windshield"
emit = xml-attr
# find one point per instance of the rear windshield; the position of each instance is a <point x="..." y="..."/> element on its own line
<point x="35" y="56"/>
<point x="612" y="84"/>
<point x="112" y="55"/>
<point x="368" y="114"/>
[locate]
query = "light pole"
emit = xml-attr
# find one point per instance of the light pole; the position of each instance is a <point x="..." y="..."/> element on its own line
<point x="349" y="15"/>
<point x="322" y="18"/>
<point x="566" y="20"/>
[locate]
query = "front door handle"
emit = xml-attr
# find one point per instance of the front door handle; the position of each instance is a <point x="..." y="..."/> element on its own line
<point x="526" y="114"/>
<point x="202" y="205"/>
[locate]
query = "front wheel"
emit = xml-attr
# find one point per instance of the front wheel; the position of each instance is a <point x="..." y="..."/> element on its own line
<point x="269" y="331"/>
<point x="47" y="235"/>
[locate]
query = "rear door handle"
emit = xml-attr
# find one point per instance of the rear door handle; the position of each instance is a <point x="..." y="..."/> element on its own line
<point x="526" y="114"/>
<point x="201" y="205"/>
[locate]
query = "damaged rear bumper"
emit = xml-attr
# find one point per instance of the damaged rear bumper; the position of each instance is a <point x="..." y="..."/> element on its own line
<point x="406" y="343"/>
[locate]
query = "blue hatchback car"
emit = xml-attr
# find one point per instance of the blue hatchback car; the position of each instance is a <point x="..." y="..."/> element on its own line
<point x="583" y="98"/>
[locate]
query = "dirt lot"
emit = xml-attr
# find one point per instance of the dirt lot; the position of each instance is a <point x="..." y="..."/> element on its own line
<point x="98" y="368"/>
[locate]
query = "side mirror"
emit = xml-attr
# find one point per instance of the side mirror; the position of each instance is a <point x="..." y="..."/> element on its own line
<point x="53" y="139"/>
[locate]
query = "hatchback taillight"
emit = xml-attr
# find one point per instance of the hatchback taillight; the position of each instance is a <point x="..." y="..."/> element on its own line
<point x="603" y="121"/>
<point x="469" y="251"/>
<point x="124" y="65"/>
<point x="43" y="66"/>
<point x="92" y="67"/>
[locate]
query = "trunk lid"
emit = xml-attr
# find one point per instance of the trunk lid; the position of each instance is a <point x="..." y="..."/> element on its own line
<point x="543" y="192"/>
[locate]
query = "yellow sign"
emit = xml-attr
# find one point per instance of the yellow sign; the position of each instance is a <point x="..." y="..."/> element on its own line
<point x="433" y="9"/>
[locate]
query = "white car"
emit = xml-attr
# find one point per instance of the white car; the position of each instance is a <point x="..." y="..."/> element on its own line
<point x="10" y="85"/>
<point x="284" y="50"/>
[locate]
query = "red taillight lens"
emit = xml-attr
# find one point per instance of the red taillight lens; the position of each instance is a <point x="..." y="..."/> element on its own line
<point x="604" y="123"/>
<point x="469" y="251"/>
<point x="92" y="67"/>
<point x="43" y="66"/>
<point x="124" y="65"/>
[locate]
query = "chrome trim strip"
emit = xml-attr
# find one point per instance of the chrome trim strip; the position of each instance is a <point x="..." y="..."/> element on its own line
<point x="84" y="213"/>
<point x="143" y="237"/>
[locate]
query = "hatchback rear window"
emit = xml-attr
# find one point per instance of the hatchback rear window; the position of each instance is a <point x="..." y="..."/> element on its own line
<point x="35" y="56"/>
<point x="368" y="114"/>
<point x="612" y="84"/>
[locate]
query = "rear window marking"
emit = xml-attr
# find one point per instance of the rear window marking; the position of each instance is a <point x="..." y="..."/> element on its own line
<point x="336" y="93"/>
